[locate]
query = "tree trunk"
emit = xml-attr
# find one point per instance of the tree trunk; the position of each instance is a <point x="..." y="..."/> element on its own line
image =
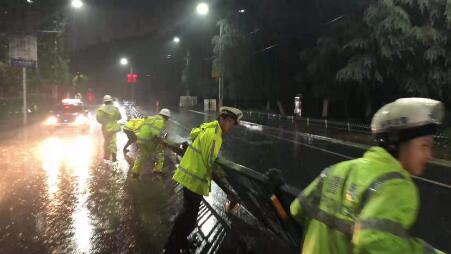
<point x="281" y="110"/>
<point x="368" y="106"/>
<point x="346" y="106"/>
<point x="325" y="108"/>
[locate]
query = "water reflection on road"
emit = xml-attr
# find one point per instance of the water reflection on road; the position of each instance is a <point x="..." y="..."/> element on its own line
<point x="74" y="155"/>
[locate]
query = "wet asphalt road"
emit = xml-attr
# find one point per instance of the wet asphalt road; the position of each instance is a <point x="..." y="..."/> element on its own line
<point x="58" y="196"/>
<point x="301" y="157"/>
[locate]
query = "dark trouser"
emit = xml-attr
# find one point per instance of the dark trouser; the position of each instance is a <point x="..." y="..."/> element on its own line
<point x="184" y="223"/>
<point x="131" y="138"/>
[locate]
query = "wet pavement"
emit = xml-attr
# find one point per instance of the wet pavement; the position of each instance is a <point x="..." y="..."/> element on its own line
<point x="58" y="195"/>
<point x="54" y="198"/>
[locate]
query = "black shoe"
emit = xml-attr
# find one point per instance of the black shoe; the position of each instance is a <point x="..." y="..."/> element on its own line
<point x="189" y="246"/>
<point x="168" y="251"/>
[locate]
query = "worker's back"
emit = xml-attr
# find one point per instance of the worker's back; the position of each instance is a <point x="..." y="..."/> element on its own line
<point x="151" y="127"/>
<point x="343" y="196"/>
<point x="108" y="115"/>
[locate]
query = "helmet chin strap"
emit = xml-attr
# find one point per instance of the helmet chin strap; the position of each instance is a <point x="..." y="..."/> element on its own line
<point x="389" y="143"/>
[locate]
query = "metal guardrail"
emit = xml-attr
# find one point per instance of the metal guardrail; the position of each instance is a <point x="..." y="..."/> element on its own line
<point x="324" y="123"/>
<point x="265" y="196"/>
<point x="350" y="127"/>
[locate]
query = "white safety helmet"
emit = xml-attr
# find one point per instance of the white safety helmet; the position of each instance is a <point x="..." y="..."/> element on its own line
<point x="107" y="98"/>
<point x="165" y="112"/>
<point x="234" y="113"/>
<point x="407" y="118"/>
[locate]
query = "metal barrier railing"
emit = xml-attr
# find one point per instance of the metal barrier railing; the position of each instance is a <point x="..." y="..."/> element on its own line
<point x="308" y="121"/>
<point x="350" y="127"/>
<point x="265" y="196"/>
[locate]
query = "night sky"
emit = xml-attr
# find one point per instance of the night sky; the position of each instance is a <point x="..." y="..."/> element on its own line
<point x="142" y="30"/>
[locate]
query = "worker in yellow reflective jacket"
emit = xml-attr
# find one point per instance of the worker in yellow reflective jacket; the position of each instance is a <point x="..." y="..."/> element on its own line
<point x="108" y="115"/>
<point x="367" y="205"/>
<point x="150" y="149"/>
<point x="194" y="173"/>
<point x="130" y="129"/>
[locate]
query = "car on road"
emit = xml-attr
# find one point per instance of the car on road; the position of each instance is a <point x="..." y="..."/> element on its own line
<point x="71" y="113"/>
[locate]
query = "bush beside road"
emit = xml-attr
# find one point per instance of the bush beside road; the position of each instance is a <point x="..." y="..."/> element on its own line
<point x="11" y="115"/>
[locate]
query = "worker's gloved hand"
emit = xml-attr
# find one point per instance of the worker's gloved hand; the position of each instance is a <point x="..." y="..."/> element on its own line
<point x="164" y="135"/>
<point x="184" y="145"/>
<point x="230" y="206"/>
<point x="135" y="175"/>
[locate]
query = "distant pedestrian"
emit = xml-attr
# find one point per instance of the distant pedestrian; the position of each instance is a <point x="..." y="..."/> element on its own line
<point x="90" y="96"/>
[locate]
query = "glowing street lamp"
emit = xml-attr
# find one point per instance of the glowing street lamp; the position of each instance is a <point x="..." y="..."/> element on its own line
<point x="77" y="4"/>
<point x="124" y="61"/>
<point x="131" y="77"/>
<point x="176" y="40"/>
<point x="202" y="9"/>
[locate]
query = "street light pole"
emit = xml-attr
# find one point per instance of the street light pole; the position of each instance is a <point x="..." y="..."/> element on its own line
<point x="221" y="74"/>
<point x="77" y="4"/>
<point x="132" y="84"/>
<point x="24" y="87"/>
<point x="202" y="9"/>
<point x="187" y="66"/>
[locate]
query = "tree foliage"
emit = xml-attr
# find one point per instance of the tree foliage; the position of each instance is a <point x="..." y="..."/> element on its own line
<point x="53" y="63"/>
<point x="234" y="57"/>
<point x="393" y="43"/>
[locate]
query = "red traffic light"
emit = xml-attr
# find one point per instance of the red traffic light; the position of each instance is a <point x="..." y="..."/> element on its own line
<point x="132" y="78"/>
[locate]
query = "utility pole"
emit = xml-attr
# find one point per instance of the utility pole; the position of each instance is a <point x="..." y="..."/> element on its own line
<point x="24" y="91"/>
<point x="221" y="74"/>
<point x="133" y="84"/>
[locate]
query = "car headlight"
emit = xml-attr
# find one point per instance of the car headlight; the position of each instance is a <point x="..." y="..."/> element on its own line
<point x="51" y="120"/>
<point x="81" y="119"/>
